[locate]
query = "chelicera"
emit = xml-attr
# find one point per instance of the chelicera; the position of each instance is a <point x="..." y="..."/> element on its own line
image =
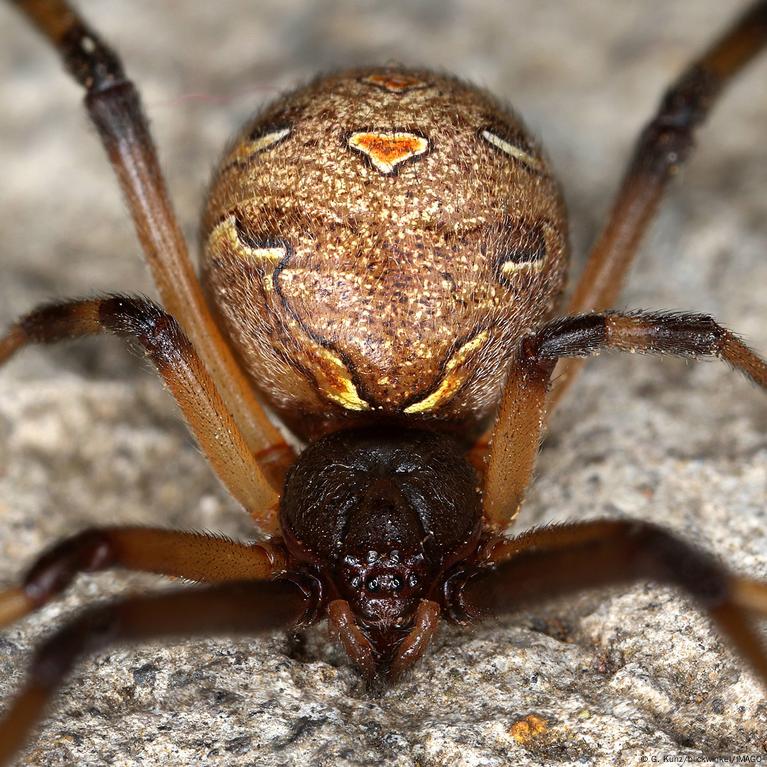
<point x="401" y="314"/>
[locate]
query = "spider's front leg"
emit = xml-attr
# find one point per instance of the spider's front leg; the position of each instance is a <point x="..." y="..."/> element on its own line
<point x="562" y="559"/>
<point x="258" y="605"/>
<point x="183" y="373"/>
<point x="661" y="149"/>
<point x="522" y="412"/>
<point x="240" y="608"/>
<point x="114" y="106"/>
<point x="176" y="553"/>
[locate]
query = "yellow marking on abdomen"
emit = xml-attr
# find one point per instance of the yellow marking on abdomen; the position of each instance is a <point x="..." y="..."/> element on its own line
<point x="226" y="236"/>
<point x="337" y="384"/>
<point x="511" y="150"/>
<point x="271" y="253"/>
<point x="227" y="231"/>
<point x="394" y="82"/>
<point x="453" y="378"/>
<point x="247" y="149"/>
<point x="512" y="267"/>
<point x="264" y="142"/>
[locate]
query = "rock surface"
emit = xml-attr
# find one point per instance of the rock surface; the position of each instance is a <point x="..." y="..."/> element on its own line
<point x="87" y="436"/>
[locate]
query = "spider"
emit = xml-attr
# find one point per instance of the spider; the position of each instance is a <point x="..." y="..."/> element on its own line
<point x="389" y="367"/>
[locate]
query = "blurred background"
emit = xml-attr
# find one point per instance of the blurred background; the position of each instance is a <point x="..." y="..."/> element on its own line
<point x="584" y="75"/>
<point x="88" y="436"/>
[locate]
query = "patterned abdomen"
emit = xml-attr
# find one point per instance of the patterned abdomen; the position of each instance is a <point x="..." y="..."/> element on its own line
<point x="374" y="244"/>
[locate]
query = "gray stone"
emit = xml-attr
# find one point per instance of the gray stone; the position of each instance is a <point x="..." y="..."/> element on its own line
<point x="87" y="436"/>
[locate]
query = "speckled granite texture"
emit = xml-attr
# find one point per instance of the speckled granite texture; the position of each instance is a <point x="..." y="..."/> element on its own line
<point x="88" y="436"/>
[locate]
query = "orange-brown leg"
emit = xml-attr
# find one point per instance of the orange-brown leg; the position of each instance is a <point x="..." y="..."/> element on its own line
<point x="229" y="609"/>
<point x="175" y="553"/>
<point x="521" y="416"/>
<point x="115" y="108"/>
<point x="663" y="146"/>
<point x="513" y="447"/>
<point x="183" y="373"/>
<point x="563" y="559"/>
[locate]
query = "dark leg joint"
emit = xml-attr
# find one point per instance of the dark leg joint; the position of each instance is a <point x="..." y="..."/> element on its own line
<point x="454" y="606"/>
<point x="92" y="63"/>
<point x="685" y="105"/>
<point x="137" y="317"/>
<point x="158" y="333"/>
<point x="580" y="336"/>
<point x="662" y="149"/>
<point x="88" y="551"/>
<point x="58" y="654"/>
<point x="116" y="110"/>
<point x="662" y="556"/>
<point x="666" y="142"/>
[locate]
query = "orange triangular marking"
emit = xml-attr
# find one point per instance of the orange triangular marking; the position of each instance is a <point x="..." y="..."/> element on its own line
<point x="394" y="82"/>
<point x="386" y="150"/>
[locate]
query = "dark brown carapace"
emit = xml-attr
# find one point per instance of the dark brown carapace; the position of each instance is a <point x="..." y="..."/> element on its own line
<point x="381" y="516"/>
<point x="384" y="251"/>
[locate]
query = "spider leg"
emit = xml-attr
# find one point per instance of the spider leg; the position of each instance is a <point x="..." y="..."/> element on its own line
<point x="180" y="554"/>
<point x="239" y="608"/>
<point x="662" y="148"/>
<point x="114" y="106"/>
<point x="559" y="560"/>
<point x="183" y="373"/>
<point x="522" y="412"/>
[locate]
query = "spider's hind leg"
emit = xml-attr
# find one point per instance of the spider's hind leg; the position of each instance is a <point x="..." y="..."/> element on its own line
<point x="114" y="106"/>
<point x="661" y="149"/>
<point x="240" y="608"/>
<point x="193" y="556"/>
<point x="558" y="560"/>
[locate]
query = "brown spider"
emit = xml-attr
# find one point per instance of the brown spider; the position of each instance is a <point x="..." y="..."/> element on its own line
<point x="393" y="515"/>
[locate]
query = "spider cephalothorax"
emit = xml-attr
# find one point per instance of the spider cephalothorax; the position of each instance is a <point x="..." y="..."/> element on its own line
<point x="381" y="516"/>
<point x="383" y="253"/>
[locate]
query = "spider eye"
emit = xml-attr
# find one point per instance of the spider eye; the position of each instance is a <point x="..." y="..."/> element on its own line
<point x="356" y="582"/>
<point x="397" y="583"/>
<point x="373" y="584"/>
<point x="412" y="580"/>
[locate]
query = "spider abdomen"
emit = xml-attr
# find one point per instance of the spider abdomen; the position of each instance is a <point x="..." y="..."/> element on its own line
<point x="376" y="241"/>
